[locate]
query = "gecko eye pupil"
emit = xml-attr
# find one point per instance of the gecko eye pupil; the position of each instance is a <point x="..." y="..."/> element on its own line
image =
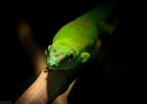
<point x="70" y="56"/>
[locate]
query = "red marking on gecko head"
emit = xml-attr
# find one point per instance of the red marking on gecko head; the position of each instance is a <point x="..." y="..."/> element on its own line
<point x="48" y="57"/>
<point x="61" y="61"/>
<point x="55" y="50"/>
<point x="56" y="55"/>
<point x="62" y="53"/>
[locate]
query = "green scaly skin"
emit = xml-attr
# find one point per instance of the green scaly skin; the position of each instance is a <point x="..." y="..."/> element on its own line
<point x="75" y="42"/>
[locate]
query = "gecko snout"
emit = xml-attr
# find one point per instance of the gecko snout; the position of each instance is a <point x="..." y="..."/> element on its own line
<point x="52" y="63"/>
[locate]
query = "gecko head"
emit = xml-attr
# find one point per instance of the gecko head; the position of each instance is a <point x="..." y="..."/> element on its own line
<point x="60" y="57"/>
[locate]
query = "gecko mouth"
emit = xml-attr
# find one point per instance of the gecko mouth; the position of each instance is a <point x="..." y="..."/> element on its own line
<point x="63" y="66"/>
<point x="57" y="68"/>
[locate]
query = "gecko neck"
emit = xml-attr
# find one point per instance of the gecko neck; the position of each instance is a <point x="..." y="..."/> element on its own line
<point x="100" y="15"/>
<point x="100" y="12"/>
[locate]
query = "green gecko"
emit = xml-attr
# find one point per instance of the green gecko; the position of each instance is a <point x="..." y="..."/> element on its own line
<point x="76" y="42"/>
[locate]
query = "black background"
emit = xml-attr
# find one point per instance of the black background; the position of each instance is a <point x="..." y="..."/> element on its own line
<point x="123" y="51"/>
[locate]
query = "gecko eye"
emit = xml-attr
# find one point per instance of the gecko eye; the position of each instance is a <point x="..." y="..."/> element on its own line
<point x="70" y="57"/>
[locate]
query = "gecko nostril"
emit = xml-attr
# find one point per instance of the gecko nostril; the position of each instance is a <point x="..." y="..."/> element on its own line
<point x="48" y="57"/>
